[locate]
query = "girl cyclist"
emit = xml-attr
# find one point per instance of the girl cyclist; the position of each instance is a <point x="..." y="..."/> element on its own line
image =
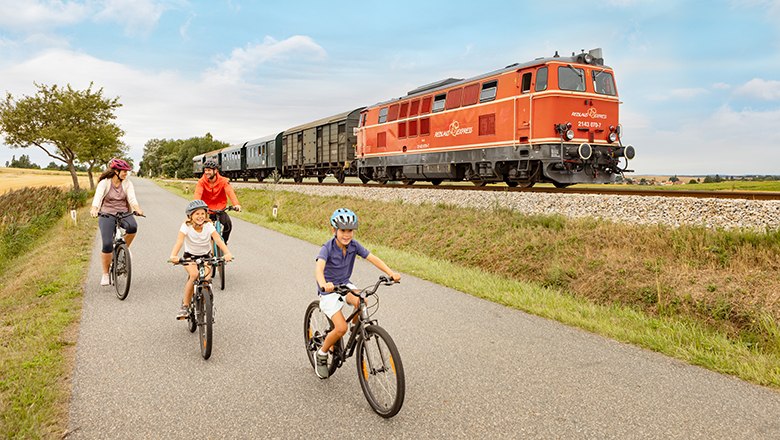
<point x="334" y="266"/>
<point x="114" y="195"/>
<point x="196" y="234"/>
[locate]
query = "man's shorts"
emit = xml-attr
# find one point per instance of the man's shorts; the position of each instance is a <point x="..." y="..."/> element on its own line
<point x="330" y="303"/>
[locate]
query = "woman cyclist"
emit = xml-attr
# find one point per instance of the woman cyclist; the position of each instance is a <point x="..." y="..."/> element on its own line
<point x="114" y="195"/>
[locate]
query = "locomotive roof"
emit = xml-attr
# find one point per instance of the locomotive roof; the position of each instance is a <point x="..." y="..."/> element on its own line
<point x="451" y="82"/>
<point x="323" y="121"/>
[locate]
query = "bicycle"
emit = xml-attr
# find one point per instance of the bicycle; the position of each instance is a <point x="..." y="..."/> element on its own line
<point x="201" y="310"/>
<point x="379" y="367"/>
<point x="215" y="249"/>
<point x="120" y="270"/>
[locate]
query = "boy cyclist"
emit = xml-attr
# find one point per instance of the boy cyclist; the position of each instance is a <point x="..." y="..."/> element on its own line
<point x="334" y="266"/>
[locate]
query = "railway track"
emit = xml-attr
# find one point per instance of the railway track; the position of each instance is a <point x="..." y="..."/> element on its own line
<point x="607" y="190"/>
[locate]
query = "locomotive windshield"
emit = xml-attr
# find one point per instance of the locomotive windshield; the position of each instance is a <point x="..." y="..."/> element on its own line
<point x="571" y="78"/>
<point x="603" y="82"/>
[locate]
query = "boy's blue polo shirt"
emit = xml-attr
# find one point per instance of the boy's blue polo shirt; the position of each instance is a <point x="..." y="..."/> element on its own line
<point x="338" y="267"/>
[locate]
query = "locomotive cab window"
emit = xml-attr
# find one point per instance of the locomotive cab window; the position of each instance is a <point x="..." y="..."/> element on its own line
<point x="383" y="115"/>
<point x="603" y="82"/>
<point x="438" y="102"/>
<point x="541" y="79"/>
<point x="488" y="92"/>
<point x="571" y="78"/>
<point x="526" y="83"/>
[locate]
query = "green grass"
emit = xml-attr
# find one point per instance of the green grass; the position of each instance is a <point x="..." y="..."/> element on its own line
<point x="649" y="286"/>
<point x="40" y="304"/>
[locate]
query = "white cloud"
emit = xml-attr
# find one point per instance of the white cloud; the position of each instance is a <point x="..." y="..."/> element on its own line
<point x="766" y="90"/>
<point x="243" y="60"/>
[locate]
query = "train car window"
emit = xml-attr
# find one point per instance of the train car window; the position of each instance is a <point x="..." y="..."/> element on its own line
<point x="393" y="115"/>
<point x="526" y="83"/>
<point x="381" y="140"/>
<point x="454" y="98"/>
<point x="541" y="79"/>
<point x="470" y="94"/>
<point x="425" y="126"/>
<point x="603" y="82"/>
<point x="414" y="108"/>
<point x="488" y="91"/>
<point x="412" y="128"/>
<point x="401" y="130"/>
<point x="571" y="78"/>
<point x="404" y="110"/>
<point x="425" y="108"/>
<point x="438" y="102"/>
<point x="382" y="115"/>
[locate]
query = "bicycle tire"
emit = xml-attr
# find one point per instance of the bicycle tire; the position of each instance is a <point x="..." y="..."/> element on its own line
<point x="121" y="269"/>
<point x="381" y="372"/>
<point x="315" y="327"/>
<point x="205" y="323"/>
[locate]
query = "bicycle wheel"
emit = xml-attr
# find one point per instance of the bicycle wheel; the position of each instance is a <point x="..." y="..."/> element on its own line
<point x="315" y="327"/>
<point x="381" y="372"/>
<point x="121" y="271"/>
<point x="205" y="321"/>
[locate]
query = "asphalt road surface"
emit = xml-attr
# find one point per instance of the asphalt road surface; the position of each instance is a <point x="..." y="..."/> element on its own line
<point x="474" y="369"/>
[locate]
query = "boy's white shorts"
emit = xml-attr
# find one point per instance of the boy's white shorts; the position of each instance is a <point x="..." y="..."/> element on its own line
<point x="331" y="303"/>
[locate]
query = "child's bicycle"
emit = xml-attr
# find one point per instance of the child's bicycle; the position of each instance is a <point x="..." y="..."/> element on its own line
<point x="120" y="270"/>
<point x="379" y="367"/>
<point x="220" y="270"/>
<point x="201" y="313"/>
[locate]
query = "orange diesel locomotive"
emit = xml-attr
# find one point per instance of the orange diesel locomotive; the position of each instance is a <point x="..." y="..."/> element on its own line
<point x="549" y="120"/>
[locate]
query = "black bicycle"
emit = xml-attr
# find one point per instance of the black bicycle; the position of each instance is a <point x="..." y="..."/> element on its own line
<point x="379" y="367"/>
<point x="215" y="249"/>
<point x="201" y="311"/>
<point x="120" y="270"/>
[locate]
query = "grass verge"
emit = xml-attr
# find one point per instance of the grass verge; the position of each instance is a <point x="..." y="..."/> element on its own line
<point x="40" y="299"/>
<point x="688" y="300"/>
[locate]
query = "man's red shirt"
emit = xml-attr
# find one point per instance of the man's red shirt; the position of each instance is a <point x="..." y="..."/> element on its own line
<point x="216" y="193"/>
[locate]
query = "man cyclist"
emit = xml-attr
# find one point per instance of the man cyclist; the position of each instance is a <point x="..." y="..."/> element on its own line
<point x="215" y="190"/>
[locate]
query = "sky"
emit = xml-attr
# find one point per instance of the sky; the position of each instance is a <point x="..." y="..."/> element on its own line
<point x="699" y="81"/>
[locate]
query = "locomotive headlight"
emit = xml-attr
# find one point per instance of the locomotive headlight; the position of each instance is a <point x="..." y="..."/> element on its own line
<point x="612" y="137"/>
<point x="569" y="134"/>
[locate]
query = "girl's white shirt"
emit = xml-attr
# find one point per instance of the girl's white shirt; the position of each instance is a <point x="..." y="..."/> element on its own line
<point x="105" y="185"/>
<point x="197" y="243"/>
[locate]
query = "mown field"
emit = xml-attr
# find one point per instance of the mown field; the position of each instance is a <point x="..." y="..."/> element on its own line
<point x="709" y="297"/>
<point x="17" y="178"/>
<point x="43" y="260"/>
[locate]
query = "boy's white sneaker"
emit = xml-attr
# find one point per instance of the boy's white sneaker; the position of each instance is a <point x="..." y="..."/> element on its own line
<point x="104" y="281"/>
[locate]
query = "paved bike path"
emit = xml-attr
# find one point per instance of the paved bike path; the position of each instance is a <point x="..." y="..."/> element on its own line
<point x="473" y="368"/>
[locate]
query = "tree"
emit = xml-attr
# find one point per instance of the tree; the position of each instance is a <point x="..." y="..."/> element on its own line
<point x="60" y="121"/>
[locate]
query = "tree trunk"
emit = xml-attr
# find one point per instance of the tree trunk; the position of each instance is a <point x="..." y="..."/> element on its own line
<point x="72" y="169"/>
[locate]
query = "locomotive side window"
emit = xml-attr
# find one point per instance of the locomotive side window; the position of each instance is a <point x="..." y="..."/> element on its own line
<point x="383" y="115"/>
<point x="488" y="91"/>
<point x="438" y="102"/>
<point x="526" y="83"/>
<point x="470" y="94"/>
<point x="541" y="79"/>
<point x="453" y="98"/>
<point x="414" y="109"/>
<point x="393" y="113"/>
<point x="425" y="108"/>
<point x="603" y="82"/>
<point x="571" y="78"/>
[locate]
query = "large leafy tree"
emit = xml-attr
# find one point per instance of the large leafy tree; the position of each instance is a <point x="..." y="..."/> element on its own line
<point x="63" y="122"/>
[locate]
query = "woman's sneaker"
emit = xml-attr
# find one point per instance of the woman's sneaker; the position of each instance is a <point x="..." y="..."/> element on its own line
<point x="104" y="281"/>
<point x="183" y="312"/>
<point x="322" y="365"/>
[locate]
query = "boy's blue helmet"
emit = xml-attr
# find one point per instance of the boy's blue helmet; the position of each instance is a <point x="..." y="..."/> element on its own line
<point x="343" y="218"/>
<point x="194" y="206"/>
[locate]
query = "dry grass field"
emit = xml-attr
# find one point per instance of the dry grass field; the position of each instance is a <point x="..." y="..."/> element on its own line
<point x="15" y="178"/>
